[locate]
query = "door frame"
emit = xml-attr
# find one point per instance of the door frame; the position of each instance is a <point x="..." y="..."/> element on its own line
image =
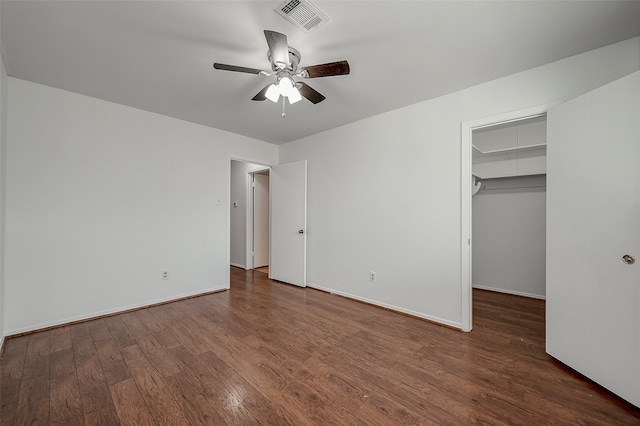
<point x="466" y="193"/>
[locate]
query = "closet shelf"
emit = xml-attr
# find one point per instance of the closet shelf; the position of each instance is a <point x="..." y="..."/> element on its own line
<point x="498" y="175"/>
<point x="514" y="149"/>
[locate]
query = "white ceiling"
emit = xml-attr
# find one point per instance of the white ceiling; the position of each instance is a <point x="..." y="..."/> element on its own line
<point x="158" y="56"/>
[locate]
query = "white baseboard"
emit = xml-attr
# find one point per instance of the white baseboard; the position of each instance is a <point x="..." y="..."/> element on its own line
<point x="1" y="342"/>
<point x="237" y="265"/>
<point x="517" y="293"/>
<point x="388" y="306"/>
<point x="115" y="311"/>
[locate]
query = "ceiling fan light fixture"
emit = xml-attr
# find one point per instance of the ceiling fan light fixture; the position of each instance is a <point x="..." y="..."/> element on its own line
<point x="285" y="85"/>
<point x="288" y="90"/>
<point x="273" y="93"/>
<point x="294" y="95"/>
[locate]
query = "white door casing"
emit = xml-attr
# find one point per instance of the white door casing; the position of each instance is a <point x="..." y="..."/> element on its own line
<point x="593" y="220"/>
<point x="288" y="217"/>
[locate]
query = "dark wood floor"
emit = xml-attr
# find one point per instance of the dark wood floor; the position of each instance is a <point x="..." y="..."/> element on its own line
<point x="268" y="353"/>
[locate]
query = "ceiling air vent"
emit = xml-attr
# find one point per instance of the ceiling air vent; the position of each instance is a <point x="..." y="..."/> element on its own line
<point x="302" y="14"/>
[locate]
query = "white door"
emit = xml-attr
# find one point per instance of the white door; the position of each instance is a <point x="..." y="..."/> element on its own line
<point x="593" y="220"/>
<point x="260" y="220"/>
<point x="288" y="260"/>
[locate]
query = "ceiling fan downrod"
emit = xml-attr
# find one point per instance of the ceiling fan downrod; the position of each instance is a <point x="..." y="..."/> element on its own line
<point x="284" y="114"/>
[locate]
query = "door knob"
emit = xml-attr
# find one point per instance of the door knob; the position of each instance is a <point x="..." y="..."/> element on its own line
<point x="629" y="260"/>
<point x="301" y="231"/>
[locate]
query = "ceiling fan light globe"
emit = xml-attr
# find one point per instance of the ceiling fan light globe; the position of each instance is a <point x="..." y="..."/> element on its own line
<point x="285" y="85"/>
<point x="273" y="94"/>
<point x="294" y="96"/>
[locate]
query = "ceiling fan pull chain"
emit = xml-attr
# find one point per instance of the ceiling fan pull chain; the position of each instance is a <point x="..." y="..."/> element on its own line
<point x="284" y="114"/>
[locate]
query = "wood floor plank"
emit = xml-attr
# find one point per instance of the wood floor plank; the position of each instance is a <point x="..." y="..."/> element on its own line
<point x="113" y="366"/>
<point x="119" y="331"/>
<point x="343" y="388"/>
<point x="160" y="331"/>
<point x="231" y="349"/>
<point x="154" y="390"/>
<point x="261" y="408"/>
<point x="33" y="402"/>
<point x="65" y="402"/>
<point x="79" y="329"/>
<point x="36" y="363"/>
<point x="99" y="330"/>
<point x="224" y="399"/>
<point x="97" y="404"/>
<point x="136" y="327"/>
<point x="189" y="337"/>
<point x="192" y="402"/>
<point x="272" y="386"/>
<point x="60" y="339"/>
<point x="159" y="356"/>
<point x="130" y="405"/>
<point x="267" y="353"/>
<point x="83" y="346"/>
<point x="64" y="405"/>
<point x="11" y="371"/>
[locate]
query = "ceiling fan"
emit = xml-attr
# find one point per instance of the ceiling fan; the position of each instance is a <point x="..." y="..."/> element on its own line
<point x="284" y="65"/>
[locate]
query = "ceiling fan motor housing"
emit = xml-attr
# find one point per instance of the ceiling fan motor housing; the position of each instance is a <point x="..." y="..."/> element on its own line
<point x="294" y="60"/>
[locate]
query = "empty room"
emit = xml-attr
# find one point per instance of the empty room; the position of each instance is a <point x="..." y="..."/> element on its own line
<point x="319" y="212"/>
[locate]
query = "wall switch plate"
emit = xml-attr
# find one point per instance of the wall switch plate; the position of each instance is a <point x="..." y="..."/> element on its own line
<point x="164" y="275"/>
<point x="372" y="276"/>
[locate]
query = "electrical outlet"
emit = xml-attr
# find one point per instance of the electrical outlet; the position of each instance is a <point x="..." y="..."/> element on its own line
<point x="372" y="276"/>
<point x="164" y="275"/>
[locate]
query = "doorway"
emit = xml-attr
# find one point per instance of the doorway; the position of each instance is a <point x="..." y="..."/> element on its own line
<point x="258" y="229"/>
<point x="246" y="215"/>
<point x="287" y="238"/>
<point x="509" y="207"/>
<point x="505" y="157"/>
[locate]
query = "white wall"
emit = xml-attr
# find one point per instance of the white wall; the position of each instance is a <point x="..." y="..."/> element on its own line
<point x="238" y="215"/>
<point x="101" y="198"/>
<point x="384" y="192"/>
<point x="509" y="236"/>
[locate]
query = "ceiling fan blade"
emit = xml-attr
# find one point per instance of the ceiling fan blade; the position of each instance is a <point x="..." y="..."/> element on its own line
<point x="326" y="70"/>
<point x="261" y="95"/>
<point x="279" y="48"/>
<point x="236" y="68"/>
<point x="309" y="93"/>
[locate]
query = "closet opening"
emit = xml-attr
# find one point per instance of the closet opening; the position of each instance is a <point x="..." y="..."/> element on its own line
<point x="508" y="207"/>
